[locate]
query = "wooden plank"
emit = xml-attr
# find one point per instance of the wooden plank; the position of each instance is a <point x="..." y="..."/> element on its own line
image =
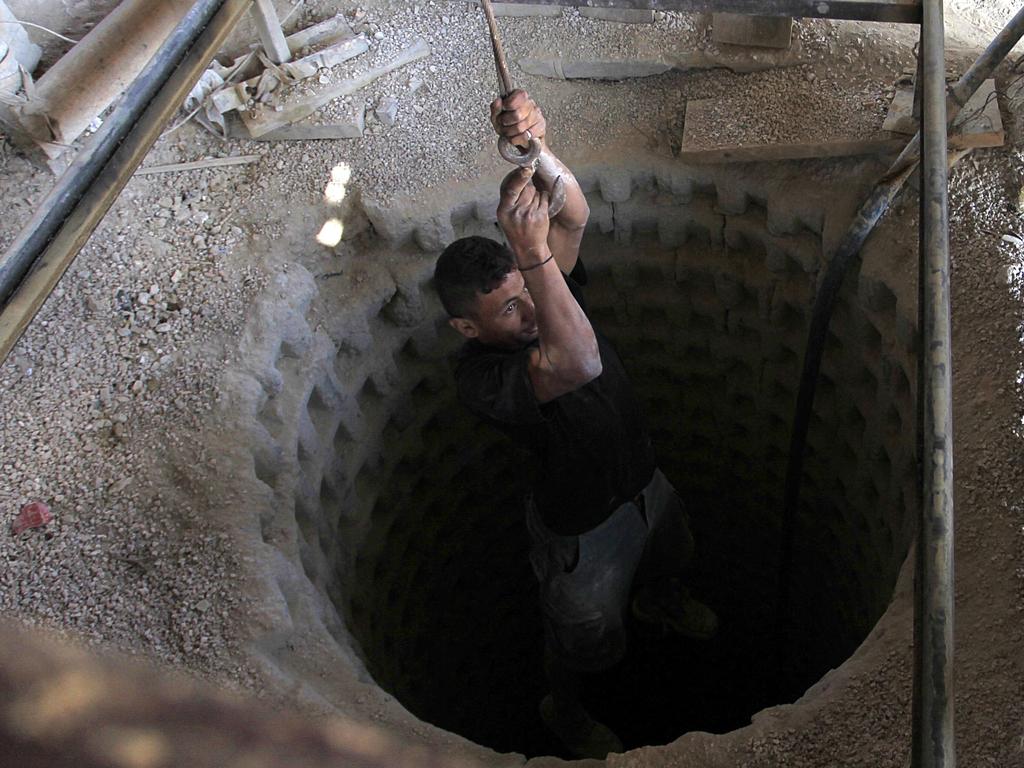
<point x="759" y="31"/>
<point x="269" y="28"/>
<point x="979" y="123"/>
<point x="895" y="11"/>
<point x="329" y="31"/>
<point x="198" y="165"/>
<point x="266" y="120"/>
<point x="351" y="126"/>
<point x="236" y="96"/>
<point x="725" y="130"/>
<point x="703" y="114"/>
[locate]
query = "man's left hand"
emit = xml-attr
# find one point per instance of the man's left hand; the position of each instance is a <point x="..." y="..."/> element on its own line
<point x="516" y="114"/>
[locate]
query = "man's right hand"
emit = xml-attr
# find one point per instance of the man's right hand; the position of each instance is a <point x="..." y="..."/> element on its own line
<point x="523" y="217"/>
<point x="517" y="115"/>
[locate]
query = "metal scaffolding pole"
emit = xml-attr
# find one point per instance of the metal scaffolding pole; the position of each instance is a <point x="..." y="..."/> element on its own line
<point x="933" y="745"/>
<point x="869" y="214"/>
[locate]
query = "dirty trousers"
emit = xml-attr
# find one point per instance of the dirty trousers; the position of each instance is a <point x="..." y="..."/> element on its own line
<point x="586" y="580"/>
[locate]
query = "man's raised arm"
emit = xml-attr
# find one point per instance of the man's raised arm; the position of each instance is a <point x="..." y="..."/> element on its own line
<point x="567" y="355"/>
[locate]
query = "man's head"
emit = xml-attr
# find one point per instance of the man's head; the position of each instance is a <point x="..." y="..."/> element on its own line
<point x="484" y="294"/>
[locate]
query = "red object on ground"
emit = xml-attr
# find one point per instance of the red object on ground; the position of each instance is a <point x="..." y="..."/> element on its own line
<point x="35" y="514"/>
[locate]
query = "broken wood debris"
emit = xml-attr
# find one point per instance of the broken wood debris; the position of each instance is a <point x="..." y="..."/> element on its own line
<point x="262" y="121"/>
<point x="305" y="130"/>
<point x="301" y="43"/>
<point x="268" y="26"/>
<point x="274" y="119"/>
<point x="332" y="30"/>
<point x="978" y="125"/>
<point x="237" y="96"/>
<point x="196" y="165"/>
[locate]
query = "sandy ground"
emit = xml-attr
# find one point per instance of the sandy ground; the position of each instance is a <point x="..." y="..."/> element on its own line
<point x="108" y="401"/>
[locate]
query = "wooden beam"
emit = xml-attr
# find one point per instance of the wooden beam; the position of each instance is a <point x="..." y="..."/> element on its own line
<point x="897" y="11"/>
<point x="263" y="121"/>
<point x="271" y="35"/>
<point x="198" y="165"/>
<point x="978" y="125"/>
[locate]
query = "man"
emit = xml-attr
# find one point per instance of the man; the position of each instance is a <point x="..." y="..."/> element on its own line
<point x="601" y="515"/>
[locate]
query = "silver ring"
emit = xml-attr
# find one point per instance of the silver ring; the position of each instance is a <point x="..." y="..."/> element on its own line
<point x="529" y="136"/>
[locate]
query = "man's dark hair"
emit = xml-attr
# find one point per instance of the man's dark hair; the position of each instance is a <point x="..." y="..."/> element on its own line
<point x="469" y="266"/>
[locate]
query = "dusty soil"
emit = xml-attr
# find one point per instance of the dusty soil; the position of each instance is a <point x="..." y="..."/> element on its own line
<point x="108" y="405"/>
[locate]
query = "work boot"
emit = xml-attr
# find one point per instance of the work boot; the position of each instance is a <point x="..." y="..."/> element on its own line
<point x="670" y="606"/>
<point x="583" y="736"/>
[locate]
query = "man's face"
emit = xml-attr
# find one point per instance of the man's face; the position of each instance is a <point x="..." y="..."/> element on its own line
<point x="504" y="317"/>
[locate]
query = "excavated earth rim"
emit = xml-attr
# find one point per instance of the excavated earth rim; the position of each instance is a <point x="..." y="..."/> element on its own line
<point x="285" y="401"/>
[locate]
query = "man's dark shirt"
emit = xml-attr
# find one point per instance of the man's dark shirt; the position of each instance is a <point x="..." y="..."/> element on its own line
<point x="592" y="449"/>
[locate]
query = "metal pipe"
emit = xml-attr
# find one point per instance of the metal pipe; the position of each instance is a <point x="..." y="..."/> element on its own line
<point x="933" y="730"/>
<point x="960" y="93"/>
<point x="73" y="184"/>
<point x="870" y="212"/>
<point x="112" y="176"/>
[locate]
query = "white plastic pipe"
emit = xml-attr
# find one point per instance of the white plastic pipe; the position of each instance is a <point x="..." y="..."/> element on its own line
<point x="87" y="79"/>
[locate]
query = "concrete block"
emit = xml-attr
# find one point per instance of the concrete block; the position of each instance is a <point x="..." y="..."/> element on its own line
<point x="435" y="234"/>
<point x="324" y="397"/>
<point x="782" y="221"/>
<point x="675" y="180"/>
<point x="641" y="215"/>
<point x="387" y="111"/>
<point x="486" y="210"/>
<point x="586" y="176"/>
<point x="706" y="224"/>
<point x="735" y="238"/>
<point x="406" y="309"/>
<point x="625" y="275"/>
<point x="758" y="31"/>
<point x="671" y="228"/>
<point x="602" y="216"/>
<point x="309" y="448"/>
<point x="268" y="458"/>
<point x="731" y="201"/>
<point x="806" y="252"/>
<point x="351" y="332"/>
<point x="392" y="224"/>
<point x="387" y="379"/>
<point x="616" y="185"/>
<point x="621" y="15"/>
<point x="296" y="335"/>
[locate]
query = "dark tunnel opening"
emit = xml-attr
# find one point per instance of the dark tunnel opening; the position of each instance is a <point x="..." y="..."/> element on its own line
<point x="442" y="601"/>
